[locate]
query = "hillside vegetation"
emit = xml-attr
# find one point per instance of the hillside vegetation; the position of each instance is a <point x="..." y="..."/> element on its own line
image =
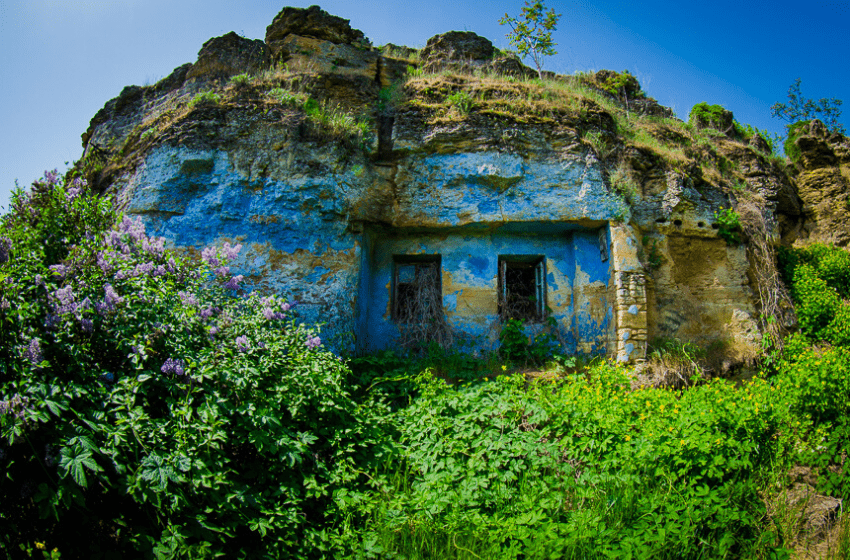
<point x="151" y="408"/>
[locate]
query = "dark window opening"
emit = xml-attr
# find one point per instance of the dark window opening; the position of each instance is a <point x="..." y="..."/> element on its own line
<point x="522" y="287"/>
<point x="417" y="288"/>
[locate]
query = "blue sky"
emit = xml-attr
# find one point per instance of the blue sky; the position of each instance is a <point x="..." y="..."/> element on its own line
<point x="62" y="60"/>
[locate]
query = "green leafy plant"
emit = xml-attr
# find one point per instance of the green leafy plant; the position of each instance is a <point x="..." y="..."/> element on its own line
<point x="241" y="80"/>
<point x="795" y="130"/>
<point x="729" y="225"/>
<point x="531" y="33"/>
<point x="146" y="406"/>
<point x="462" y="101"/>
<point x="205" y="98"/>
<point x="287" y="97"/>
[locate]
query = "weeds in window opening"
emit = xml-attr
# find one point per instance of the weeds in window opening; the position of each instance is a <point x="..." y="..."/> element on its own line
<point x="418" y="308"/>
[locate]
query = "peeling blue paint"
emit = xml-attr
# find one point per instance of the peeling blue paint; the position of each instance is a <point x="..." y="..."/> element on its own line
<point x="470" y="208"/>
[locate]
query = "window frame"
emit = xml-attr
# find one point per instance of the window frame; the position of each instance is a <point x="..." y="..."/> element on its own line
<point x="420" y="263"/>
<point x="539" y="289"/>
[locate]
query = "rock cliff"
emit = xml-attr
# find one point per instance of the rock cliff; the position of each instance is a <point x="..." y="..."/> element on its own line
<point x="343" y="168"/>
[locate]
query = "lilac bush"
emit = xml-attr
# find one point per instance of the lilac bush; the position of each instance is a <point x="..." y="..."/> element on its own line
<point x="166" y="402"/>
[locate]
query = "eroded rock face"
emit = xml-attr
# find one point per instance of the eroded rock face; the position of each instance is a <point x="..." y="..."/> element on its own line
<point x="336" y="226"/>
<point x="228" y="55"/>
<point x="315" y="23"/>
<point x="823" y="184"/>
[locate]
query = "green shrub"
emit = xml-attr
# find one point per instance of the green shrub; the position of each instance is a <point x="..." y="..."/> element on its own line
<point x="205" y="98"/>
<point x="146" y="407"/>
<point x="286" y="97"/>
<point x="820" y="279"/>
<point x="795" y="130"/>
<point x="241" y="80"/>
<point x="712" y="115"/>
<point x="729" y="223"/>
<point x="462" y="101"/>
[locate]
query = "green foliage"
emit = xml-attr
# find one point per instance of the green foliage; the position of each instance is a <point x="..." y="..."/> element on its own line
<point x="820" y="280"/>
<point x="710" y="114"/>
<point x="390" y="98"/>
<point x="729" y="223"/>
<point x="653" y="255"/>
<point x="794" y="132"/>
<point x="581" y="467"/>
<point x="462" y="101"/>
<point x="146" y="407"/>
<point x="286" y="97"/>
<point x="773" y="140"/>
<point x="799" y="108"/>
<point x="205" y="98"/>
<point x="241" y="80"/>
<point x="531" y="33"/>
<point x="337" y="122"/>
<point x="518" y="346"/>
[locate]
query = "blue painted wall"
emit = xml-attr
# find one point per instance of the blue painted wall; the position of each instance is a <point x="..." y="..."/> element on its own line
<point x="575" y="274"/>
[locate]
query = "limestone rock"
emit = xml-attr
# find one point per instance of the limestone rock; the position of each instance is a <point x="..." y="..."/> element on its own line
<point x="456" y="49"/>
<point x="318" y="56"/>
<point x="228" y="55"/>
<point x="315" y="23"/>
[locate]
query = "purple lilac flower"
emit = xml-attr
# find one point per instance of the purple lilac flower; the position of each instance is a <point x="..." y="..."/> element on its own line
<point x="233" y="283"/>
<point x="213" y="331"/>
<point x="104" y="265"/>
<point x="242" y="343"/>
<point x="286" y="307"/>
<point x="271" y="315"/>
<point x="51" y="321"/>
<point x="52" y="177"/>
<point x="33" y="352"/>
<point x="210" y="256"/>
<point x="112" y="298"/>
<point x="155" y="246"/>
<point x="223" y="271"/>
<point x="65" y="297"/>
<point x="72" y="193"/>
<point x="172" y="265"/>
<point x="313" y="342"/>
<point x="172" y="366"/>
<point x="187" y="298"/>
<point x="87" y="325"/>
<point x="135" y="228"/>
<point x="160" y="271"/>
<point x="230" y="252"/>
<point x="58" y="270"/>
<point x="143" y="269"/>
<point x="206" y="313"/>
<point x="4" y="304"/>
<point x="5" y="249"/>
<point x="14" y="406"/>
